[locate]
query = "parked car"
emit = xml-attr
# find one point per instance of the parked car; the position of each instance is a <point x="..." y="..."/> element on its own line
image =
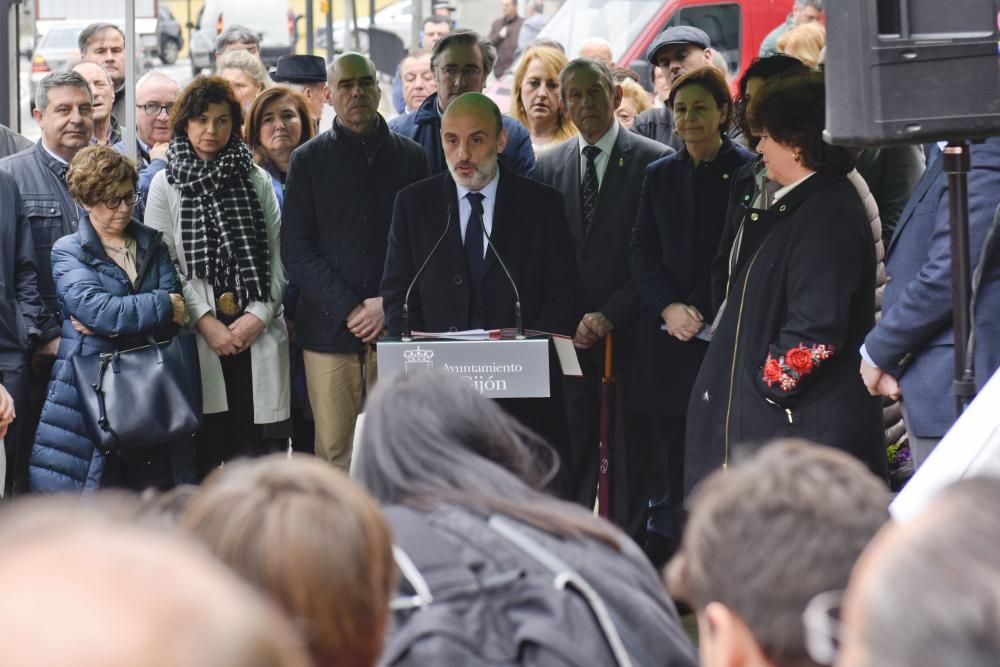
<point x="736" y="28"/>
<point x="267" y="18"/>
<point x="171" y="36"/>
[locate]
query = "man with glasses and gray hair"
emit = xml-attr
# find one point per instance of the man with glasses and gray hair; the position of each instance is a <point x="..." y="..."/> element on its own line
<point x="155" y="94"/>
<point x="765" y="538"/>
<point x="64" y="111"/>
<point x="461" y="61"/>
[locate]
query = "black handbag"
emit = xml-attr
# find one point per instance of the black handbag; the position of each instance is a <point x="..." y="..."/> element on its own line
<point x="141" y="396"/>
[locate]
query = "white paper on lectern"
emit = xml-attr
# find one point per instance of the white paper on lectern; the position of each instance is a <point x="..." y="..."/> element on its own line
<point x="971" y="448"/>
<point x="567" y="355"/>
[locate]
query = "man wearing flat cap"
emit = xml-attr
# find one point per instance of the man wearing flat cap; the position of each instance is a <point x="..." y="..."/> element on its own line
<point x="307" y="75"/>
<point x="678" y="49"/>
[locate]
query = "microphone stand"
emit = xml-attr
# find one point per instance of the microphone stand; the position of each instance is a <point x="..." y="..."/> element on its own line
<point x="956" y="165"/>
<point x="518" y="324"/>
<point x="407" y="333"/>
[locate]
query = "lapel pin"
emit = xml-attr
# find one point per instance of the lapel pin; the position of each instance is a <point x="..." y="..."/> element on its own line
<point x="621" y="162"/>
<point x="725" y="177"/>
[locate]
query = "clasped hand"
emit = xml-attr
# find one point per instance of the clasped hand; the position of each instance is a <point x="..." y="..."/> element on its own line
<point x="367" y="320"/>
<point x="683" y="321"/>
<point x="237" y="337"/>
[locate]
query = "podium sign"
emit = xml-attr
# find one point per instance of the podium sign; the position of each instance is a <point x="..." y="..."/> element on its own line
<point x="495" y="368"/>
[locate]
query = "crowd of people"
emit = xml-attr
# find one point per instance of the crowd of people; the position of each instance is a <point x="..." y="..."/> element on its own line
<point x="749" y="281"/>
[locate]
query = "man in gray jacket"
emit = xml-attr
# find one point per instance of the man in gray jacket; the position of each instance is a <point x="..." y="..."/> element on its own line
<point x="64" y="113"/>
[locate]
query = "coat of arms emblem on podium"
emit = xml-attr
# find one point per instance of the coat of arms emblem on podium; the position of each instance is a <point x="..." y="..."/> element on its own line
<point x="418" y="360"/>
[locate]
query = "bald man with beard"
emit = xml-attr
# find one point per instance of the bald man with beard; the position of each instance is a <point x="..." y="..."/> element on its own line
<point x="464" y="286"/>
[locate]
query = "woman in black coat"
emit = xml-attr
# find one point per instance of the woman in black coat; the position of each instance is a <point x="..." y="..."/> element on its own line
<point x="675" y="236"/>
<point x="783" y="361"/>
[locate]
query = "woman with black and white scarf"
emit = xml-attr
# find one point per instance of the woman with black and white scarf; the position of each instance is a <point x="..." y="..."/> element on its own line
<point x="220" y="218"/>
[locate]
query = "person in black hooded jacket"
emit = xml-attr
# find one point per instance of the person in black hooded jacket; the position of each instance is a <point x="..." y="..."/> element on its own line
<point x="784" y="357"/>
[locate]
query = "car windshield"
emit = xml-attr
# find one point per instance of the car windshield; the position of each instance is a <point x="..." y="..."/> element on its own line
<point x="618" y="21"/>
<point x="60" y="39"/>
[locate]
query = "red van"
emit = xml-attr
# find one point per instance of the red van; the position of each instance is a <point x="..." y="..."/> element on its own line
<point x="736" y="28"/>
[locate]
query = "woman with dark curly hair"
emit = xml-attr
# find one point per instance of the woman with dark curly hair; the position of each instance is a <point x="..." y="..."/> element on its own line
<point x="784" y="356"/>
<point x="220" y="217"/>
<point x="116" y="286"/>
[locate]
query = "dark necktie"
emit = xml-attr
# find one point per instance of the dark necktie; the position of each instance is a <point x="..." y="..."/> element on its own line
<point x="474" y="239"/>
<point x="590" y="186"/>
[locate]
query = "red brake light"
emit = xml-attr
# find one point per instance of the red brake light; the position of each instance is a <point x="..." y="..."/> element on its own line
<point x="38" y="64"/>
<point x="218" y="25"/>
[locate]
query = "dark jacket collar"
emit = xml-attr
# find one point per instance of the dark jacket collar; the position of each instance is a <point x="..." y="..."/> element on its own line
<point x="728" y="146"/>
<point x="55" y="166"/>
<point x="428" y="112"/>
<point x="341" y="134"/>
<point x="145" y="237"/>
<point x="787" y="204"/>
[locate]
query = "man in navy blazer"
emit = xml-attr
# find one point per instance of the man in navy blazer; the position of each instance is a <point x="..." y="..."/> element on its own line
<point x="608" y="298"/>
<point x="910" y="352"/>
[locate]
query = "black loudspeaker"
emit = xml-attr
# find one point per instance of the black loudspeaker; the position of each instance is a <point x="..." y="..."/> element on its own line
<point x="911" y="71"/>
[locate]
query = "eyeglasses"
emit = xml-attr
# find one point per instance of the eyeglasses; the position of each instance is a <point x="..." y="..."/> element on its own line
<point x="154" y="109"/>
<point x="823" y="627"/>
<point x="131" y="199"/>
<point x="453" y="72"/>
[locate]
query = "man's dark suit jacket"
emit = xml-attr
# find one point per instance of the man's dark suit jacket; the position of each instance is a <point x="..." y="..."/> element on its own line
<point x="602" y="253"/>
<point x="914" y="340"/>
<point x="529" y="232"/>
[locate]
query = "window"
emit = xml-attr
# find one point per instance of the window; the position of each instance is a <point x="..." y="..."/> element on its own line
<point x="721" y="22"/>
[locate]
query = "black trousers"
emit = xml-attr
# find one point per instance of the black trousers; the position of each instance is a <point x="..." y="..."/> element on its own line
<point x="21" y="432"/>
<point x="232" y="434"/>
<point x="664" y="479"/>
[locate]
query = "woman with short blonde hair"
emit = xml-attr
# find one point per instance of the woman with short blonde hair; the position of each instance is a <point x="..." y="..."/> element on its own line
<point x="535" y="100"/>
<point x="804" y="42"/>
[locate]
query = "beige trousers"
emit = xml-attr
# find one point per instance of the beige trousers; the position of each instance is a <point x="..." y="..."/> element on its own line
<point x="334" y="382"/>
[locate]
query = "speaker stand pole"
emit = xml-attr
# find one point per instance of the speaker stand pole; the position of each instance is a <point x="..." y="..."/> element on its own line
<point x="956" y="165"/>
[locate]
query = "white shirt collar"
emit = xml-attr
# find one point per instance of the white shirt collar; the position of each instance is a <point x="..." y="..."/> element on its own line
<point x="489" y="191"/>
<point x="607" y="141"/>
<point x="788" y="188"/>
<point x="50" y="152"/>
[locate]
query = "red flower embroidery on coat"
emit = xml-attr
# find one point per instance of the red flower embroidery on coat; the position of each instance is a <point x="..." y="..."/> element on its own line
<point x="788" y="370"/>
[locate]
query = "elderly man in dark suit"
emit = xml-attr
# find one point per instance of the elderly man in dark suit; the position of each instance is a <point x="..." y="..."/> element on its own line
<point x="910" y="352"/>
<point x="463" y="286"/>
<point x="600" y="172"/>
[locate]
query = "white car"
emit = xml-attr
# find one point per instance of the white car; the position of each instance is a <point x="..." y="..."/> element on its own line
<point x="266" y="18"/>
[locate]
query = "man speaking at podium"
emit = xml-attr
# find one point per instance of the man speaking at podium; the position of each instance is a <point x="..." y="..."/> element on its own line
<point x="467" y="224"/>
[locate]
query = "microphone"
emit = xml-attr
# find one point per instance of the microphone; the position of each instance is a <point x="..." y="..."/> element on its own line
<point x="519" y="326"/>
<point x="406" y="300"/>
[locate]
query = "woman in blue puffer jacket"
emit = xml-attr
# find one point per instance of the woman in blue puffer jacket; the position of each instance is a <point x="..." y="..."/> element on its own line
<point x="116" y="285"/>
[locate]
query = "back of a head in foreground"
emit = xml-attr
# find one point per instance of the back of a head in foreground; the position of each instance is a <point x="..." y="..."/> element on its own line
<point x="82" y="589"/>
<point x="772" y="532"/>
<point x="307" y="536"/>
<point x="430" y="439"/>
<point x="927" y="592"/>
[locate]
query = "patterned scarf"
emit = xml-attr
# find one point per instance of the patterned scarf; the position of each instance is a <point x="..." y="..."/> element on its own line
<point x="222" y="221"/>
